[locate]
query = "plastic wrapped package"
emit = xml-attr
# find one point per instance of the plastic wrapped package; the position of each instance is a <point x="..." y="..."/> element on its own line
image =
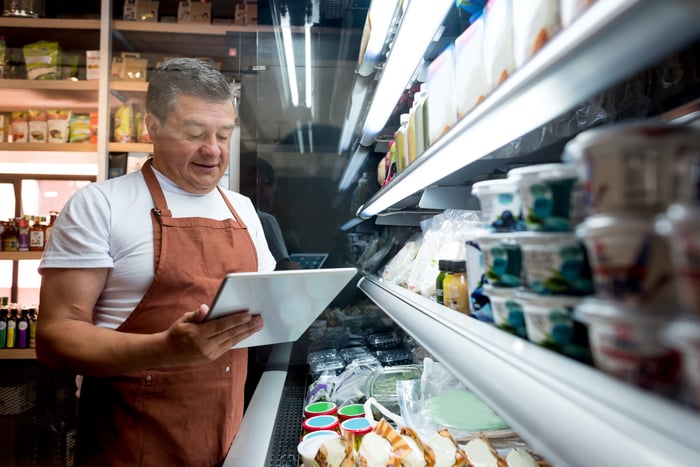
<point x="397" y="269"/>
<point x="442" y="108"/>
<point x="383" y="340"/>
<point x="471" y="86"/>
<point x="570" y="10"/>
<point x="534" y="24"/>
<point x="498" y="41"/>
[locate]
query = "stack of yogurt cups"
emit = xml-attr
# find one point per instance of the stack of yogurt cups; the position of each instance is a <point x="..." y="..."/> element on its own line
<point x="639" y="188"/>
<point x="536" y="266"/>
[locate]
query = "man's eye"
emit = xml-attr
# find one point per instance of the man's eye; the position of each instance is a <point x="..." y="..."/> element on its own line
<point x="194" y="136"/>
<point x="222" y="137"/>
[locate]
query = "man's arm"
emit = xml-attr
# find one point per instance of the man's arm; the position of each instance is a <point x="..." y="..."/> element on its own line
<point x="67" y="338"/>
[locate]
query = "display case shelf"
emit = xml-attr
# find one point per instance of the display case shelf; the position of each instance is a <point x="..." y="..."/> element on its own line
<point x="607" y="44"/>
<point x="575" y="415"/>
<point x="49" y="23"/>
<point x="131" y="147"/>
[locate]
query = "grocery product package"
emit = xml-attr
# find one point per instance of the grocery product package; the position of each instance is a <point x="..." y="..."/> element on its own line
<point x="443" y="237"/>
<point x="534" y="23"/>
<point x="42" y="60"/>
<point x="438" y="400"/>
<point x="38" y="129"/>
<point x="79" y="128"/>
<point x="471" y="86"/>
<point x="442" y="108"/>
<point x="58" y="125"/>
<point x="19" y="131"/>
<point x="498" y="41"/>
<point x="124" y="124"/>
<point x="397" y="269"/>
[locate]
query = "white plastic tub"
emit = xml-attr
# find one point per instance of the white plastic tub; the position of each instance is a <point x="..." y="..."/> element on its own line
<point x="635" y="166"/>
<point x="549" y="322"/>
<point x="507" y="312"/>
<point x="684" y="336"/>
<point x="502" y="259"/>
<point x="681" y="225"/>
<point x="626" y="343"/>
<point x="555" y="263"/>
<point x="550" y="195"/>
<point x="629" y="261"/>
<point x="500" y="203"/>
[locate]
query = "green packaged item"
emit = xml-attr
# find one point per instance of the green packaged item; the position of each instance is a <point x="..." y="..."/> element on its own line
<point x="79" y="128"/>
<point x="42" y="60"/>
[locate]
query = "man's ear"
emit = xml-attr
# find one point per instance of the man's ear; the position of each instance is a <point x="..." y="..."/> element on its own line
<point x="152" y="124"/>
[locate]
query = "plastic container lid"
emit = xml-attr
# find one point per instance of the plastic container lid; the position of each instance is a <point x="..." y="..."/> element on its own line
<point x="358" y="426"/>
<point x="320" y="408"/>
<point x="559" y="170"/>
<point x="496" y="185"/>
<point x="351" y="411"/>
<point x="594" y="309"/>
<point x="679" y="218"/>
<point x="320" y="422"/>
<point x="600" y="224"/>
<point x="321" y="434"/>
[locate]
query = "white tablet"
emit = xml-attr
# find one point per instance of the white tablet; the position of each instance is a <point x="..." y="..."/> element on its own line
<point x="289" y="301"/>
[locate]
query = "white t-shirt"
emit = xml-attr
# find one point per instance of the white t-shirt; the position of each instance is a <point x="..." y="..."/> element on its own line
<point x="108" y="225"/>
<point x="273" y="234"/>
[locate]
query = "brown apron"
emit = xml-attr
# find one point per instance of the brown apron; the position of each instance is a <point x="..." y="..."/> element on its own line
<point x="184" y="416"/>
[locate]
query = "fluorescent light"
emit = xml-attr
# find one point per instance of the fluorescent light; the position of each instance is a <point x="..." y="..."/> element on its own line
<point x="307" y="65"/>
<point x="418" y="26"/>
<point x="289" y="58"/>
<point x="354" y="165"/>
<point x="379" y="17"/>
<point x="357" y="103"/>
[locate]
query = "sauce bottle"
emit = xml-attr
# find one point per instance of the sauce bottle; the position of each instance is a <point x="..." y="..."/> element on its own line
<point x="3" y="323"/>
<point x="32" y="327"/>
<point x="11" y="328"/>
<point x="37" y="232"/>
<point x="23" y="329"/>
<point x="443" y="267"/>
<point x="454" y="287"/>
<point x="10" y="236"/>
<point x="23" y="233"/>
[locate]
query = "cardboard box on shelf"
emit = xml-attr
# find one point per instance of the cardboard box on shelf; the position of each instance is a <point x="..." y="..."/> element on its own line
<point x="140" y="10"/>
<point x="194" y="12"/>
<point x="129" y="67"/>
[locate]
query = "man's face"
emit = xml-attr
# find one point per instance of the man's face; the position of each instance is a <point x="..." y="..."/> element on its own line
<point x="192" y="146"/>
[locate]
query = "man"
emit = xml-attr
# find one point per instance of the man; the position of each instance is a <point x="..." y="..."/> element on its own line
<point x="132" y="264"/>
<point x="265" y="190"/>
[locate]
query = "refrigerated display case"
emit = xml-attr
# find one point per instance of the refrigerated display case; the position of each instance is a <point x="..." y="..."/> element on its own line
<point x="570" y="412"/>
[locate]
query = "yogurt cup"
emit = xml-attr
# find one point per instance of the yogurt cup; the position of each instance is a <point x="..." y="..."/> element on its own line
<point x="320" y="408"/>
<point x="555" y="263"/>
<point x="636" y="166"/>
<point x="681" y="225"/>
<point x="500" y="203"/>
<point x="629" y="261"/>
<point x="502" y="259"/>
<point x="626" y="343"/>
<point x="321" y="433"/>
<point x="551" y="196"/>
<point x="507" y="312"/>
<point x="354" y="429"/>
<point x="308" y="448"/>
<point x="684" y="336"/>
<point x="320" y="422"/>
<point x="550" y="323"/>
<point x="479" y="304"/>
<point x="351" y="411"/>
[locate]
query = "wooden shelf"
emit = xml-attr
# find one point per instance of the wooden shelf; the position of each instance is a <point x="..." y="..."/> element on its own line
<point x="20" y="255"/>
<point x="50" y="23"/>
<point x="129" y="86"/>
<point x="34" y="147"/>
<point x="186" y="28"/>
<point x="17" y="354"/>
<point x="130" y="147"/>
<point x="50" y="84"/>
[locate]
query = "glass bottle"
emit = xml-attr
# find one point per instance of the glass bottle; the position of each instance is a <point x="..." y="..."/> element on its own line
<point x="10" y="236"/>
<point x="49" y="228"/>
<point x="23" y="329"/>
<point x="455" y="288"/>
<point x="3" y="322"/>
<point x="23" y="233"/>
<point x="37" y="232"/>
<point x="11" y="327"/>
<point x="443" y="267"/>
<point x="32" y="326"/>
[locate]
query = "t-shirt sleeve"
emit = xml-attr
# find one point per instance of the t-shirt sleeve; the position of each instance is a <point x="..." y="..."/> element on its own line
<point x="80" y="237"/>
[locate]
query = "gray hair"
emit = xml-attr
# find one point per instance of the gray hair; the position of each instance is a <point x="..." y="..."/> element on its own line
<point x="189" y="76"/>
